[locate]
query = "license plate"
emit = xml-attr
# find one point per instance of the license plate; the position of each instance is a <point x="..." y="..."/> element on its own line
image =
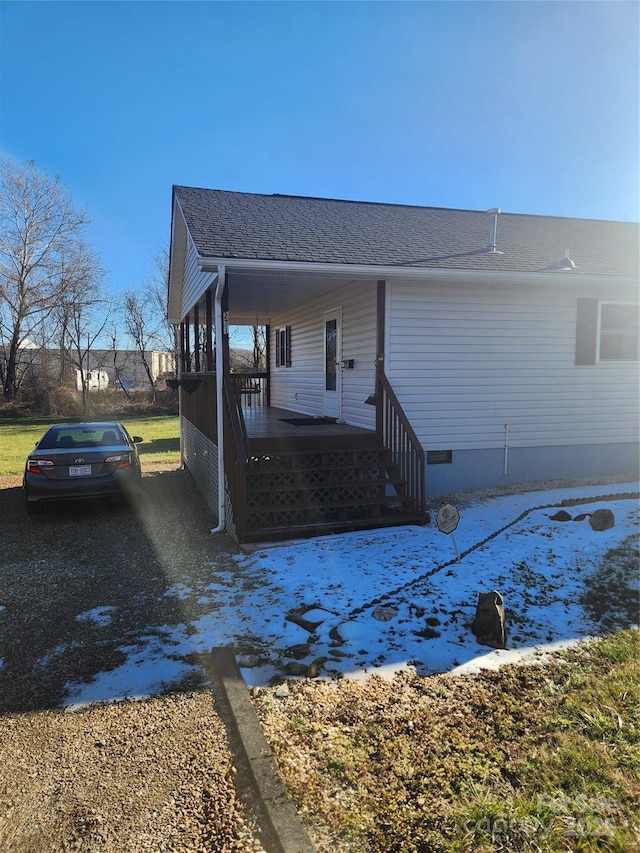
<point x="79" y="470"/>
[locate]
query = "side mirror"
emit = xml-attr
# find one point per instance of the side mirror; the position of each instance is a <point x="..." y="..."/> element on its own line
<point x="137" y="439"/>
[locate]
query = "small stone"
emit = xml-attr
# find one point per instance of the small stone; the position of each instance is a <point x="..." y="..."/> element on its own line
<point x="334" y="634"/>
<point x="294" y="667"/>
<point x="301" y="650"/>
<point x="296" y="616"/>
<point x="561" y="515"/>
<point x="282" y="691"/>
<point x="313" y="670"/>
<point x="248" y="661"/>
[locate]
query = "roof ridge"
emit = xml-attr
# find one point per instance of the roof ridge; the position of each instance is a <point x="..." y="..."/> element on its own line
<point x="405" y="205"/>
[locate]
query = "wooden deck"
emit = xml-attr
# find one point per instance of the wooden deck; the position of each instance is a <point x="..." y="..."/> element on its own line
<point x="267" y="429"/>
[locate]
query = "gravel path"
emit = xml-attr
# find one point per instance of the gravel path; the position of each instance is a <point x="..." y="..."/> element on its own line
<point x="128" y="776"/>
<point x="154" y="774"/>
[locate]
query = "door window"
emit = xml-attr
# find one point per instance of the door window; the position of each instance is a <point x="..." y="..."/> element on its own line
<point x="331" y="352"/>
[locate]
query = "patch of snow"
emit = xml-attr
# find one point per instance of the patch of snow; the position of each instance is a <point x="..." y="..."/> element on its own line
<point x="100" y="615"/>
<point x="178" y="590"/>
<point x="538" y="565"/>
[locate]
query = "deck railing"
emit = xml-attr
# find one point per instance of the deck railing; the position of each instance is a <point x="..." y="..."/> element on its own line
<point x="236" y="452"/>
<point x="198" y="405"/>
<point x="198" y="402"/>
<point x="252" y="388"/>
<point x="399" y="438"/>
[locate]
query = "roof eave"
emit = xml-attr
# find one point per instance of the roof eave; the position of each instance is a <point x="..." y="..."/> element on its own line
<point x="376" y="272"/>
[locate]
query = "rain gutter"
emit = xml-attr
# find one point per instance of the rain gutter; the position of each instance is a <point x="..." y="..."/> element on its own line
<point x="368" y="271"/>
<point x="220" y="286"/>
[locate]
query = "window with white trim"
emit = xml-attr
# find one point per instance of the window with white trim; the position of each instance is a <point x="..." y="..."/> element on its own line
<point x="606" y="331"/>
<point x="619" y="327"/>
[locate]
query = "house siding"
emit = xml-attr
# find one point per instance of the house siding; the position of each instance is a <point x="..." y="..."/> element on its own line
<point x="466" y="362"/>
<point x="300" y="387"/>
<point x="196" y="282"/>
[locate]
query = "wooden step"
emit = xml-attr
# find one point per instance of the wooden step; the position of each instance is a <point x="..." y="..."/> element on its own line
<point x="303" y="504"/>
<point x="306" y="462"/>
<point x="311" y="491"/>
<point x="306" y="531"/>
<point x="364" y="513"/>
<point x="336" y="484"/>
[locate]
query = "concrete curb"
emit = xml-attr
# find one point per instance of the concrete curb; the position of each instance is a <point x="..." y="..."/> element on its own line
<point x="287" y="833"/>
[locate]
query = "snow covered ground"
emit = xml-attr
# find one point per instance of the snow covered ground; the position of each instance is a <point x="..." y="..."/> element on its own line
<point x="539" y="566"/>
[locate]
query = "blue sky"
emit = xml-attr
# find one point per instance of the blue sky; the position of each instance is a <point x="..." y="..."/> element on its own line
<point x="532" y="107"/>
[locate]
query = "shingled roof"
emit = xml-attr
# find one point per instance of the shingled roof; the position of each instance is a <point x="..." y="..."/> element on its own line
<point x="229" y="225"/>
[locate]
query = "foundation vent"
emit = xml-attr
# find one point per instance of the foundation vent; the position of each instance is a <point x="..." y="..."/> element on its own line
<point x="439" y="457"/>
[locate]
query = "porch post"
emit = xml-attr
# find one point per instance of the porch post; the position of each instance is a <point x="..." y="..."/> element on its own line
<point x="196" y="337"/>
<point x="225" y="328"/>
<point x="209" y="336"/>
<point x="380" y="338"/>
<point x="182" y="364"/>
<point x="267" y="358"/>
<point x="187" y="341"/>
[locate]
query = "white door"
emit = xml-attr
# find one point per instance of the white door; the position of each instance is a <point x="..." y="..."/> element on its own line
<point x="332" y="331"/>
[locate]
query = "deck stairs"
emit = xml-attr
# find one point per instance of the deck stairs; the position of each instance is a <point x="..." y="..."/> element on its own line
<point x="311" y="492"/>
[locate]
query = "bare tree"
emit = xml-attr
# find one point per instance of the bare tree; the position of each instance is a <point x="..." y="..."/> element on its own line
<point x="142" y="328"/>
<point x="145" y="317"/>
<point x="38" y="226"/>
<point x="118" y="363"/>
<point x="157" y="285"/>
<point x="84" y="310"/>
<point x="248" y="348"/>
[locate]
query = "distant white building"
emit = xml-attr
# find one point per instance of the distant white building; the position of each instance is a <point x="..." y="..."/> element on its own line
<point x="103" y="368"/>
<point x="96" y="379"/>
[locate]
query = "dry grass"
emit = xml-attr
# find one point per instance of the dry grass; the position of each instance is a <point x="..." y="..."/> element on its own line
<point x="530" y="758"/>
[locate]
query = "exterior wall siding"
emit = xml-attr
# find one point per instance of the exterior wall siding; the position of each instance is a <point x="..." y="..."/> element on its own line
<point x="300" y="387"/>
<point x="466" y="361"/>
<point x="196" y="282"/>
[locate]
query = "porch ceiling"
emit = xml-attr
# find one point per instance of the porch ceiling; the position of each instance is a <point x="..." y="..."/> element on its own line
<point x="257" y="295"/>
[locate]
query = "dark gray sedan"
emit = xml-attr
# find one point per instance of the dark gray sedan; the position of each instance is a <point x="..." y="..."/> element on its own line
<point x="78" y="461"/>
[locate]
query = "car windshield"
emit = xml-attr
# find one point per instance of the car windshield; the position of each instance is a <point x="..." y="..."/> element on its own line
<point x="74" y="437"/>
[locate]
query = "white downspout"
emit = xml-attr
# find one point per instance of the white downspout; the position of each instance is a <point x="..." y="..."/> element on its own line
<point x="506" y="449"/>
<point x="219" y="401"/>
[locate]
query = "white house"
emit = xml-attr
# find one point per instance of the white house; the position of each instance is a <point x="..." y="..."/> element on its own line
<point x="443" y="349"/>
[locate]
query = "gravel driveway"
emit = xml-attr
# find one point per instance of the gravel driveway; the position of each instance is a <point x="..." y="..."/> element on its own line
<point x="147" y="775"/>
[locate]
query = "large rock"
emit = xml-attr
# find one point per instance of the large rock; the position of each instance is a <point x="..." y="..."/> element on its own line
<point x="488" y="624"/>
<point x="384" y="614"/>
<point x="602" y="519"/>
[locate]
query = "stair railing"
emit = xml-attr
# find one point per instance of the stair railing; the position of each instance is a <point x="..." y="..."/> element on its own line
<point x="399" y="438"/>
<point x="236" y="454"/>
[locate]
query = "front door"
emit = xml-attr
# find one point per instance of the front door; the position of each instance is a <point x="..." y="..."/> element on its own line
<point x="332" y="374"/>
